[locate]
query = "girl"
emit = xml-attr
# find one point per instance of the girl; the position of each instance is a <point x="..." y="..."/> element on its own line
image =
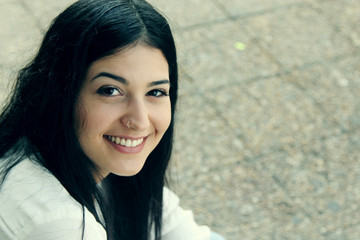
<point x="86" y="137"/>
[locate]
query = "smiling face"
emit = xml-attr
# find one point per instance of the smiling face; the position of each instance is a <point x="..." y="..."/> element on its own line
<point x="124" y="109"/>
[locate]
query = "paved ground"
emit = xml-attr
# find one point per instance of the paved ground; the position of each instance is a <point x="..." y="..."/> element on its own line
<point x="268" y="134"/>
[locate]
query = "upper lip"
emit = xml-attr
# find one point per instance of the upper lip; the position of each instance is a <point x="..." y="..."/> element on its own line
<point x="126" y="137"/>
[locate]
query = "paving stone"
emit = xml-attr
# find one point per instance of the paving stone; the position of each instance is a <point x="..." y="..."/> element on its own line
<point x="3" y="3"/>
<point x="325" y="183"/>
<point x="209" y="55"/>
<point x="352" y="232"/>
<point x="283" y="136"/>
<point x="264" y="213"/>
<point x="296" y="36"/>
<point x="336" y="87"/>
<point x="203" y="139"/>
<point x="45" y="12"/>
<point x="17" y="46"/>
<point x="187" y="13"/>
<point x="272" y="114"/>
<point x="240" y="8"/>
<point x="343" y="15"/>
<point x="7" y="77"/>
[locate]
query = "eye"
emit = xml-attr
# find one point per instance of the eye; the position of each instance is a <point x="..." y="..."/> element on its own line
<point x="158" y="93"/>
<point x="109" y="91"/>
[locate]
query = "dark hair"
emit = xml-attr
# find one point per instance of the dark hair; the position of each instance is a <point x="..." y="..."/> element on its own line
<point x="39" y="117"/>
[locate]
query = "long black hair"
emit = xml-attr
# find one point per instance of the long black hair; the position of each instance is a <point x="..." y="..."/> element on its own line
<point x="39" y="118"/>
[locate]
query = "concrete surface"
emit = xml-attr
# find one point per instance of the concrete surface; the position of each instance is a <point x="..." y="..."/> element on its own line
<point x="268" y="120"/>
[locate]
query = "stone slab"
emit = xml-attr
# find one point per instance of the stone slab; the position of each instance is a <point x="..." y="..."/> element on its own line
<point x="296" y="36"/>
<point x="343" y="15"/>
<point x="44" y="12"/>
<point x="19" y="35"/>
<point x="335" y="86"/>
<point x="187" y="13"/>
<point x="245" y="8"/>
<point x="212" y="56"/>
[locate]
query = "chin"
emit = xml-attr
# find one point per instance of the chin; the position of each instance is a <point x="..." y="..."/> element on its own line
<point x="128" y="172"/>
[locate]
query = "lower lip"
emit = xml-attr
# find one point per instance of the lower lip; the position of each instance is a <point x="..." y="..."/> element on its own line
<point x="127" y="150"/>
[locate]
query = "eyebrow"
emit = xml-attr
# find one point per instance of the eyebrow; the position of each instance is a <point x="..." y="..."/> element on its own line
<point x="125" y="82"/>
<point x="109" y="75"/>
<point x="158" y="83"/>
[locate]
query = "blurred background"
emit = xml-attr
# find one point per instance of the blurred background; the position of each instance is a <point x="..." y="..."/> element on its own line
<point x="268" y="122"/>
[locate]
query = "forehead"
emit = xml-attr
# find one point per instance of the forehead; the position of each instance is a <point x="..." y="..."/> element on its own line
<point x="133" y="60"/>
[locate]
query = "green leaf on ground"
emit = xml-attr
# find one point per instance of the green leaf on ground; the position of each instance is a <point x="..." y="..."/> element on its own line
<point x="240" y="46"/>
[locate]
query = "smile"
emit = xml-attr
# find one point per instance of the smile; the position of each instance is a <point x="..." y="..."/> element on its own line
<point x="125" y="142"/>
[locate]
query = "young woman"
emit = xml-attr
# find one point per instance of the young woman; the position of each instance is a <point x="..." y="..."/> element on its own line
<point x="86" y="137"/>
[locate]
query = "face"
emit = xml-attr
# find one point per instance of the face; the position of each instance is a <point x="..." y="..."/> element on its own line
<point x="124" y="109"/>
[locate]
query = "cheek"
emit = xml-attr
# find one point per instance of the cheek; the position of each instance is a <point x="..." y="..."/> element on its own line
<point x="164" y="118"/>
<point x="97" y="120"/>
<point x="90" y="120"/>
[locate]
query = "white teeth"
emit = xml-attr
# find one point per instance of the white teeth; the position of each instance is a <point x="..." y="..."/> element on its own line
<point x="125" y="142"/>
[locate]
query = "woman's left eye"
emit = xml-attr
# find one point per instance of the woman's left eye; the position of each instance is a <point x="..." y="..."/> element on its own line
<point x="158" y="93"/>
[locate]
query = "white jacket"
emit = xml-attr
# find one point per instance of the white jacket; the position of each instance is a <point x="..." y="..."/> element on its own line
<point x="35" y="206"/>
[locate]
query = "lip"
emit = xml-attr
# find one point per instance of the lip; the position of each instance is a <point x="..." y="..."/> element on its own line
<point x="127" y="137"/>
<point x="127" y="150"/>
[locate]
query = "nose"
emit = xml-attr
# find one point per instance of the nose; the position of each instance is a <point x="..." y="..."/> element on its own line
<point x="138" y="115"/>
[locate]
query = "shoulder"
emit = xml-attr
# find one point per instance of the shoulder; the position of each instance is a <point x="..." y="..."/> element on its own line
<point x="178" y="223"/>
<point x="31" y="197"/>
